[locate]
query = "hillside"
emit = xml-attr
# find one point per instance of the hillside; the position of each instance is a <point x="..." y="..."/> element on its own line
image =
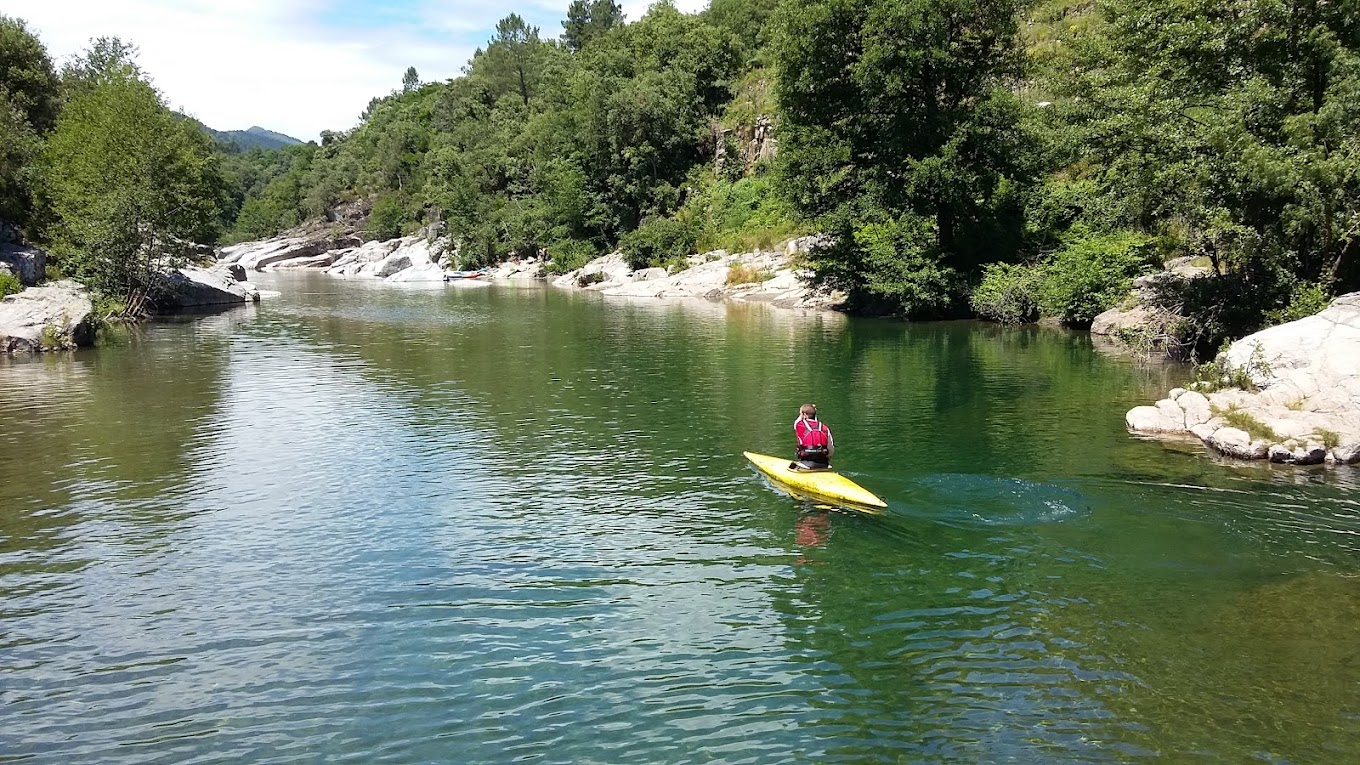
<point x="253" y="138"/>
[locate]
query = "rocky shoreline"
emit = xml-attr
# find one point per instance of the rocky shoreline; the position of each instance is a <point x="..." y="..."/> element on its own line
<point x="1287" y="394"/>
<point x="772" y="277"/>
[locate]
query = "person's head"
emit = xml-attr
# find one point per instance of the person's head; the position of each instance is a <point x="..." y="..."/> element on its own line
<point x="809" y="411"/>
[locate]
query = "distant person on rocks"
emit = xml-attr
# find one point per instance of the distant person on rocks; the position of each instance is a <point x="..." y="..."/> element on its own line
<point x="815" y="445"/>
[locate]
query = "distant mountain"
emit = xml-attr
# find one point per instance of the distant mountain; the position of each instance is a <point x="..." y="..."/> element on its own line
<point x="255" y="137"/>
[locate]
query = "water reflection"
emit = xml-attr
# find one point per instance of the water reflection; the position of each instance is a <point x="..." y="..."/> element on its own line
<point x="364" y="523"/>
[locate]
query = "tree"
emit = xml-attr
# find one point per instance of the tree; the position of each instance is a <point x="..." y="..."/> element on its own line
<point x="411" y="80"/>
<point x="29" y="100"/>
<point x="896" y="110"/>
<point x="26" y="75"/>
<point x="589" y="19"/>
<point x="514" y="56"/>
<point x="132" y="186"/>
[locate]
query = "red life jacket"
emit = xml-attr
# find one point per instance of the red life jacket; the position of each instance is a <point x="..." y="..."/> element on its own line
<point x="813" y="435"/>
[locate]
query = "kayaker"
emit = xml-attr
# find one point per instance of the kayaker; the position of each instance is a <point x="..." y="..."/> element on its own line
<point x="815" y="445"/>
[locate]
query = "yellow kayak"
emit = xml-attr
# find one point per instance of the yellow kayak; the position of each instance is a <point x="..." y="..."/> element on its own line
<point x="819" y="484"/>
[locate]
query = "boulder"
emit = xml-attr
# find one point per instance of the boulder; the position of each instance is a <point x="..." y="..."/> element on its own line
<point x="53" y="317"/>
<point x="1154" y="419"/>
<point x="29" y="264"/>
<point x="1233" y="442"/>
<point x="194" y="287"/>
<point x="237" y="271"/>
<point x="425" y="272"/>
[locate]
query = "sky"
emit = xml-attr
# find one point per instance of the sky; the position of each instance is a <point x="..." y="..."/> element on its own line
<point x="294" y="66"/>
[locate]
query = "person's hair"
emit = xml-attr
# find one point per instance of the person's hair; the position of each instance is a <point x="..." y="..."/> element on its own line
<point x="808" y="410"/>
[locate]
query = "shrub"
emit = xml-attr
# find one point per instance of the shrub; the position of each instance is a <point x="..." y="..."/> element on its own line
<point x="585" y="280"/>
<point x="1244" y="421"/>
<point x="1009" y="293"/>
<point x="9" y="284"/>
<point x="740" y="274"/>
<point x="387" y="217"/>
<point x="1093" y="274"/>
<point x="1330" y="438"/>
<point x="569" y="255"/>
<point x="657" y="241"/>
<point x="892" y="266"/>
<point x="1304" y="301"/>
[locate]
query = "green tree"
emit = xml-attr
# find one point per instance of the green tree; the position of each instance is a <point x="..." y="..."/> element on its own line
<point x="132" y="185"/>
<point x="411" y="80"/>
<point x="589" y="19"/>
<point x="897" y="110"/>
<point x="29" y="101"/>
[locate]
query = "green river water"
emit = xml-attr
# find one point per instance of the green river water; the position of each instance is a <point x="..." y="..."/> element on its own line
<point x="513" y="524"/>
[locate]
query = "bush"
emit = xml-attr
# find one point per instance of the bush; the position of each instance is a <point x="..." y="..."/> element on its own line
<point x="740" y="274"/>
<point x="9" y="284"/>
<point x="656" y="242"/>
<point x="387" y="217"/>
<point x="1093" y="274"/>
<point x="569" y="255"/>
<point x="1304" y="301"/>
<point x="1009" y="293"/>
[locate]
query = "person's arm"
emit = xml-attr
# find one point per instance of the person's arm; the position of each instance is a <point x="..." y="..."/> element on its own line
<point x="830" y="444"/>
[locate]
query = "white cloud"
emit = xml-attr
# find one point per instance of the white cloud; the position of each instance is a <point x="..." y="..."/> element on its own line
<point x="296" y="66"/>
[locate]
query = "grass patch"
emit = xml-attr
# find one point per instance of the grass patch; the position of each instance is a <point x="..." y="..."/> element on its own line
<point x="1253" y="427"/>
<point x="1330" y="438"/>
<point x="740" y="274"/>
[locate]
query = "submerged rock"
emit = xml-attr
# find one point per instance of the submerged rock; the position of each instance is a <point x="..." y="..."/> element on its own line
<point x="53" y="317"/>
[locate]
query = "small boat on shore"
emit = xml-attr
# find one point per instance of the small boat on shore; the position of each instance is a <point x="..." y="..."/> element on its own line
<point x="453" y="276"/>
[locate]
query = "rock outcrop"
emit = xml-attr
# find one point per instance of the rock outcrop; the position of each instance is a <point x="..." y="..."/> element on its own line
<point x="1296" y="400"/>
<point x="53" y="317"/>
<point x="769" y="277"/>
<point x="764" y="277"/>
<point x="194" y="287"/>
<point x="305" y="250"/>
<point x="28" y="264"/>
<point x="1140" y="315"/>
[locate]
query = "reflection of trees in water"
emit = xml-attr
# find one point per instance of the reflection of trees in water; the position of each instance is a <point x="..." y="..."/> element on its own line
<point x="109" y="433"/>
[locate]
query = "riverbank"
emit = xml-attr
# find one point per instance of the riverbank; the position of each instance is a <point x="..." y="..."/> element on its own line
<point x="774" y="277"/>
<point x="1288" y="394"/>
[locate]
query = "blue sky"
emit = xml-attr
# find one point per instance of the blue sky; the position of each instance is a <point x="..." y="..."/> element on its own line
<point x="296" y="66"/>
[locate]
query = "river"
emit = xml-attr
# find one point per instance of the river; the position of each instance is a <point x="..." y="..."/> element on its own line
<point x="513" y="524"/>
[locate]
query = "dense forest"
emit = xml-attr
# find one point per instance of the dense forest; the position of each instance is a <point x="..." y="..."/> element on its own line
<point x="997" y="158"/>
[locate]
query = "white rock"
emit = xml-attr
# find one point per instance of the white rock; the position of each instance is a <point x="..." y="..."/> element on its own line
<point x="52" y="317"/>
<point x="1196" y="408"/>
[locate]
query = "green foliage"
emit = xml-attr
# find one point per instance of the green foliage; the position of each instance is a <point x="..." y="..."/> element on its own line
<point x="9" y="284"/>
<point x="890" y="114"/>
<point x="1092" y="275"/>
<point x="1245" y="421"/>
<point x="658" y="242"/>
<point x="131" y="184"/>
<point x="741" y="216"/>
<point x="1009" y="293"/>
<point x="890" y="266"/>
<point x="587" y="20"/>
<point x="387" y="218"/>
<point x="1330" y="438"/>
<point x="1304" y="301"/>
<point x="29" y="103"/>
<point x="569" y="255"/>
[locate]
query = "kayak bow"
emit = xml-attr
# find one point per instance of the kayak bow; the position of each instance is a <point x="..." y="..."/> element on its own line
<point x="818" y="484"/>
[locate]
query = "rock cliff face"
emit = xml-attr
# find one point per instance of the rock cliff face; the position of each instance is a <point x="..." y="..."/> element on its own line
<point x="54" y="317"/>
<point x="1298" y="399"/>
